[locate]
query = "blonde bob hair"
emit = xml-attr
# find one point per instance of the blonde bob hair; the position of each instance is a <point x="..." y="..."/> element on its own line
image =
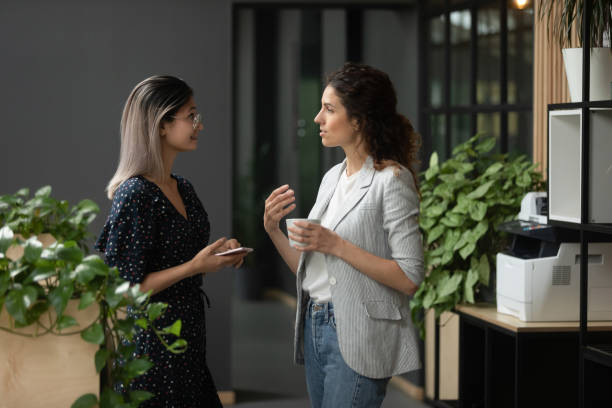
<point x="152" y="102"/>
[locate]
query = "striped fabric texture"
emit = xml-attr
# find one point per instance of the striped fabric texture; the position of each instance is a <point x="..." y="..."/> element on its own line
<point x="376" y="336"/>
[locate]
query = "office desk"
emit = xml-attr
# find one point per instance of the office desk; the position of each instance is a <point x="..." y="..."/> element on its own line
<point x="504" y="362"/>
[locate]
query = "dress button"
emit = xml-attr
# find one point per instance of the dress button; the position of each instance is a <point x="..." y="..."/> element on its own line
<point x="332" y="281"/>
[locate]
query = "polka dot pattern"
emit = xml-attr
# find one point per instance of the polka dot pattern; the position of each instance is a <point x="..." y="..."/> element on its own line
<point x="145" y="233"/>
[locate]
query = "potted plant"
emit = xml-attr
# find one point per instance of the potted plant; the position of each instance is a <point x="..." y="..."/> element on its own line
<point x="563" y="17"/>
<point x="42" y="290"/>
<point x="463" y="200"/>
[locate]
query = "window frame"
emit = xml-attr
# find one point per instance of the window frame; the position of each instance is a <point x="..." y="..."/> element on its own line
<point x="447" y="110"/>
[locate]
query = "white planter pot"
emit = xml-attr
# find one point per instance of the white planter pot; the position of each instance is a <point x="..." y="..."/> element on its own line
<point x="601" y="73"/>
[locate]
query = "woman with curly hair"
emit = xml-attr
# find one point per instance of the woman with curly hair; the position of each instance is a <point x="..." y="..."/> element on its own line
<point x="357" y="269"/>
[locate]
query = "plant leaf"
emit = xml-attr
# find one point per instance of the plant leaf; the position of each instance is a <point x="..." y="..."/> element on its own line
<point x="6" y="238"/>
<point x="433" y="159"/>
<point x="123" y="288"/>
<point x="139" y="396"/>
<point x="112" y="298"/>
<point x="142" y="323"/>
<point x="101" y="358"/>
<point x="435" y="211"/>
<point x="468" y="285"/>
<point x="494" y="168"/>
<point x="429" y="298"/>
<point x="179" y="346"/>
<point x="111" y="399"/>
<point x="524" y="180"/>
<point x="486" y="145"/>
<point x="4" y="282"/>
<point x="155" y="310"/>
<point x="449" y="285"/>
<point x="446" y="257"/>
<point x="15" y="305"/>
<point x="97" y="264"/>
<point x="29" y="294"/>
<point x="93" y="334"/>
<point x="478" y="210"/>
<point x="59" y="298"/>
<point x="175" y="328"/>
<point x="87" y="298"/>
<point x="33" y="249"/>
<point x="43" y="192"/>
<point x="69" y="253"/>
<point x="426" y="223"/>
<point x="41" y="272"/>
<point x="23" y="192"/>
<point x="467" y="250"/>
<point x="481" y="190"/>
<point x="481" y="228"/>
<point x="84" y="273"/>
<point x="452" y="219"/>
<point x="450" y="239"/>
<point x="15" y="272"/>
<point x="435" y="233"/>
<point x="85" y="401"/>
<point x="138" y="367"/>
<point x="66" y="321"/>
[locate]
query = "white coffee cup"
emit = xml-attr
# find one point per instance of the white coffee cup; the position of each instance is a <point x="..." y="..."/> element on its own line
<point x="290" y="222"/>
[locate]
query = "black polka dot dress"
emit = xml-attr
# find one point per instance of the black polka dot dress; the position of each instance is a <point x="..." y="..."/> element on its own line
<point x="145" y="233"/>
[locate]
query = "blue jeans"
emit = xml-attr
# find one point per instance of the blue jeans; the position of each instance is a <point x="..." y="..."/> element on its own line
<point x="331" y="383"/>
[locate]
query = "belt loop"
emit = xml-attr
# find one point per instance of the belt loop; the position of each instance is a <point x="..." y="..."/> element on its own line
<point x="326" y="311"/>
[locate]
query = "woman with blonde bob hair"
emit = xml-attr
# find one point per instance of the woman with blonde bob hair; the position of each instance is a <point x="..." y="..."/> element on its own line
<point x="157" y="234"/>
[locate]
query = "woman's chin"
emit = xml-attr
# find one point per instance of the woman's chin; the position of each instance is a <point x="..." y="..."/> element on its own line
<point x="327" y="143"/>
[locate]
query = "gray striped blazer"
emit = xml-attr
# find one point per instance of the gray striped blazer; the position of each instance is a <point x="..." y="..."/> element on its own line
<point x="376" y="336"/>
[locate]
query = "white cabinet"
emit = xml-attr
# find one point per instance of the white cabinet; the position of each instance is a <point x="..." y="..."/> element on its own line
<point x="565" y="165"/>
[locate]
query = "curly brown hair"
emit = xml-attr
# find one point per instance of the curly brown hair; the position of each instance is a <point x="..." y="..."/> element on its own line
<point x="369" y="97"/>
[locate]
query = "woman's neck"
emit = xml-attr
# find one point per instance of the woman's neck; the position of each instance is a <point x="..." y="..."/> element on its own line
<point x="168" y="157"/>
<point x="355" y="157"/>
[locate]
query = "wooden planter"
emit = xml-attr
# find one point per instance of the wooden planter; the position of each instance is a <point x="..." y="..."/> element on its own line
<point x="49" y="370"/>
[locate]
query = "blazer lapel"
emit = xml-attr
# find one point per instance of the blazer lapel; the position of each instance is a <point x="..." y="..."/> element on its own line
<point x="361" y="188"/>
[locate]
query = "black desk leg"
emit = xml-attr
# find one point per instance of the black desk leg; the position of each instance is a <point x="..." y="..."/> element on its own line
<point x="519" y="368"/>
<point x="488" y="366"/>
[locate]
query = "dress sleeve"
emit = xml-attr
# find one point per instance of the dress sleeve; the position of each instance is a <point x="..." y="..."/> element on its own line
<point x="128" y="236"/>
<point x="400" y="221"/>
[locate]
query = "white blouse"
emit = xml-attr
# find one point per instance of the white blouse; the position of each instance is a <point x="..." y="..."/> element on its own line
<point x="316" y="280"/>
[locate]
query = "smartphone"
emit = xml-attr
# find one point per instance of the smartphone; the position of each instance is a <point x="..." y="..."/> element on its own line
<point x="235" y="251"/>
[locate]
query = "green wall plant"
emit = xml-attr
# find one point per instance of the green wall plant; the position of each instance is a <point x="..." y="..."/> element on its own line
<point x="35" y="290"/>
<point x="463" y="201"/>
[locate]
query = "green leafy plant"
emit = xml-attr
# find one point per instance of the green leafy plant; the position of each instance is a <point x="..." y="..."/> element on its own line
<point x="561" y="16"/>
<point x="463" y="201"/>
<point x="36" y="287"/>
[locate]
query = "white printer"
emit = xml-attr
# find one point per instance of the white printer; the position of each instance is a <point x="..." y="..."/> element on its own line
<point x="538" y="279"/>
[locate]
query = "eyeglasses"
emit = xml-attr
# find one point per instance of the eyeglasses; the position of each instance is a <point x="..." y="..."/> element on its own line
<point x="197" y="119"/>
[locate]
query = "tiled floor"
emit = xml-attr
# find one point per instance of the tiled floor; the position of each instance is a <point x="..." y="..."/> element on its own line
<point x="264" y="375"/>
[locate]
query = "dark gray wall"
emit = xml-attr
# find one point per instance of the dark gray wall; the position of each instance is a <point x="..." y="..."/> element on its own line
<point x="66" y="68"/>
